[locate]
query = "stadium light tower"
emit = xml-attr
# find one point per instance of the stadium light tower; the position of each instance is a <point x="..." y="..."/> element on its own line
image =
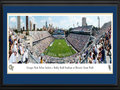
<point x="98" y="22"/>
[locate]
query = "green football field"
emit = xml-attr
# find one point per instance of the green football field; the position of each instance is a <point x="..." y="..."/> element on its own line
<point x="59" y="48"/>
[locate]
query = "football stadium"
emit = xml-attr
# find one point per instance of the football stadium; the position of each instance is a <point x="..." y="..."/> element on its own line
<point x="82" y="44"/>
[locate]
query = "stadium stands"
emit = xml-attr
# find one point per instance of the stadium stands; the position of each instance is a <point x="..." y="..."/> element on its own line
<point x="37" y="35"/>
<point x="42" y="45"/>
<point x="78" y="41"/>
<point x="100" y="50"/>
<point x="42" y="40"/>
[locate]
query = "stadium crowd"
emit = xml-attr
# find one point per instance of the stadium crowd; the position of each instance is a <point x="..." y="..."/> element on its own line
<point x="78" y="41"/>
<point x="101" y="50"/>
<point x="18" y="53"/>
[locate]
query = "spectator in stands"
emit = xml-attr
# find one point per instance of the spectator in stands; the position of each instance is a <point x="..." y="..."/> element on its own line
<point x="99" y="58"/>
<point x="41" y="61"/>
<point x="95" y="51"/>
<point x="94" y="59"/>
<point x="39" y="58"/>
<point x="90" y="57"/>
<point x="80" y="58"/>
<point x="15" y="47"/>
<point x="13" y="58"/>
<point x="10" y="41"/>
<point x="25" y="56"/>
<point x="21" y="50"/>
<point x="103" y="55"/>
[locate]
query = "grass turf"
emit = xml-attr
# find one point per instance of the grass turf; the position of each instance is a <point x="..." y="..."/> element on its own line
<point x="59" y="48"/>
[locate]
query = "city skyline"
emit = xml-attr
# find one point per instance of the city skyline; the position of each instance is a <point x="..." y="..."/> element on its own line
<point x="64" y="22"/>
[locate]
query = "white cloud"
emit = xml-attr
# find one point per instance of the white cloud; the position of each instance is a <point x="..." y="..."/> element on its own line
<point x="91" y="21"/>
<point x="105" y="19"/>
<point x="74" y="20"/>
<point x="50" y="19"/>
<point x="21" y="20"/>
<point x="68" y="21"/>
<point x="13" y="19"/>
<point x="32" y="19"/>
<point x="42" y="21"/>
<point x="22" y="23"/>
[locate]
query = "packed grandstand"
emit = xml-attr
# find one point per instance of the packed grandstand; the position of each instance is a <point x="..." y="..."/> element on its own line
<point x="80" y="48"/>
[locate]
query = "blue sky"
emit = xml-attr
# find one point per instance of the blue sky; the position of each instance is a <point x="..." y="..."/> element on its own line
<point x="60" y="21"/>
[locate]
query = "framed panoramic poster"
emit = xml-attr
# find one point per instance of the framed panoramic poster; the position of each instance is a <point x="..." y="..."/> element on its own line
<point x="59" y="43"/>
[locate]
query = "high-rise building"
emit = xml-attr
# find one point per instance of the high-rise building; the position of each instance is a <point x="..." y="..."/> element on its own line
<point x="26" y="22"/>
<point x="15" y="27"/>
<point x="23" y="28"/>
<point x="84" y="21"/>
<point x="18" y="23"/>
<point x="46" y="24"/>
<point x="98" y="22"/>
<point x="34" y="27"/>
<point x="77" y="23"/>
<point x="30" y="25"/>
<point x="74" y="25"/>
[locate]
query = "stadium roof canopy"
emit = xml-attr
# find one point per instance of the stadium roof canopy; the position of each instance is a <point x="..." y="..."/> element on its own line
<point x="83" y="29"/>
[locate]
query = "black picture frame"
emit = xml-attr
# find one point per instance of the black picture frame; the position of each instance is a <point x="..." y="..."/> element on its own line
<point x="61" y="3"/>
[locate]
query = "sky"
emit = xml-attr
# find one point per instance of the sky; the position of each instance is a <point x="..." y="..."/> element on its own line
<point x="64" y="22"/>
